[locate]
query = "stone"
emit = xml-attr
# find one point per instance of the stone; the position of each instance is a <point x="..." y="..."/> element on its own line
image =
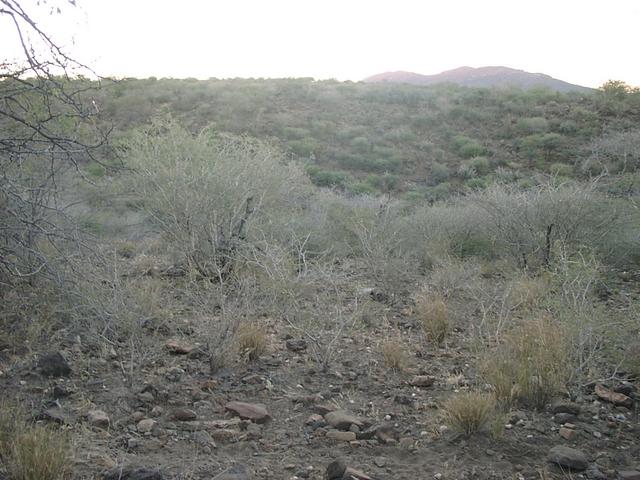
<point x="422" y="381"/>
<point x="613" y="397"/>
<point x="387" y="433"/>
<point x="178" y="348"/>
<point x="53" y="365"/>
<point x="132" y="473"/>
<point x="98" y="418"/>
<point x="324" y="408"/>
<point x="314" y="419"/>
<point x="566" y="407"/>
<point x="341" y="436"/>
<point x="156" y="411"/>
<point x="335" y="470"/>
<point x="567" y="457"/>
<point x="626" y="388"/>
<point x="237" y="472"/>
<point x="563" y="418"/>
<point x="146" y="425"/>
<point x="256" y="412"/>
<point x="342" y="420"/>
<point x="567" y="433"/>
<point x="629" y="475"/>
<point x="296" y="345"/>
<point x="380" y="461"/>
<point x="184" y="415"/>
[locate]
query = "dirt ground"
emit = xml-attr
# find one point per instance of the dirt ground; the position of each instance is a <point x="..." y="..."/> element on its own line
<point x="171" y="414"/>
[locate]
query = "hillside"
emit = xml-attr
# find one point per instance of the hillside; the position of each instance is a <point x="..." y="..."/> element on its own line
<point x="480" y="77"/>
<point x="419" y="141"/>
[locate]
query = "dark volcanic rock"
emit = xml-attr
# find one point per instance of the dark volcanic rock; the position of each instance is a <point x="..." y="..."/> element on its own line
<point x="53" y="365"/>
<point x="568" y="458"/>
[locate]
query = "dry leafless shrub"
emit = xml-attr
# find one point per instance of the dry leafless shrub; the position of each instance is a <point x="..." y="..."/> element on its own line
<point x="468" y="412"/>
<point x="433" y="315"/>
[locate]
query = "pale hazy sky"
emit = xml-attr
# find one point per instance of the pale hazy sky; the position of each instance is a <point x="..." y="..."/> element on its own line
<point x="585" y="42"/>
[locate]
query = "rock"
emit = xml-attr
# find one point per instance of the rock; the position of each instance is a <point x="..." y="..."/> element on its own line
<point x="629" y="475"/>
<point x="626" y="388"/>
<point x="380" y="461"/>
<point x="53" y="365"/>
<point x="296" y="345"/>
<point x="132" y="473"/>
<point x="422" y="381"/>
<point x="54" y="414"/>
<point x="341" y="436"/>
<point x="566" y="407"/>
<point x="570" y="458"/>
<point x="563" y="418"/>
<point x="594" y="473"/>
<point x="387" y="433"/>
<point x="613" y="397"/>
<point x="156" y="411"/>
<point x="237" y="472"/>
<point x="567" y="433"/>
<point x="324" y="408"/>
<point x="184" y="415"/>
<point x="146" y="425"/>
<point x="178" y="348"/>
<point x="342" y="420"/>
<point x="60" y="391"/>
<point x="98" y="418"/>
<point x="256" y="412"/>
<point x="314" y="418"/>
<point x="335" y="470"/>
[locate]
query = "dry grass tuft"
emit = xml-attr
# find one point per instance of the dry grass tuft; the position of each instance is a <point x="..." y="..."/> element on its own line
<point x="31" y="452"/>
<point x="433" y="314"/>
<point x="468" y="412"/>
<point x="532" y="364"/>
<point x="252" y="341"/>
<point x="395" y="355"/>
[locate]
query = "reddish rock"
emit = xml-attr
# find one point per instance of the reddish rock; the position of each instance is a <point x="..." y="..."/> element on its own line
<point x="613" y="397"/>
<point x="567" y="433"/>
<point x="342" y="420"/>
<point x="184" y="415"/>
<point x="255" y="412"/>
<point x="178" y="347"/>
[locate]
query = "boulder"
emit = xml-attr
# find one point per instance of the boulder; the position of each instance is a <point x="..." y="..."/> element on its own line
<point x="567" y="457"/>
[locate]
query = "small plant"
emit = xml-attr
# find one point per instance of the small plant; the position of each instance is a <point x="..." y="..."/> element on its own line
<point x="252" y="341"/>
<point x="468" y="412"/>
<point x="39" y="453"/>
<point x="531" y="365"/>
<point x="30" y="452"/>
<point x="433" y="315"/>
<point x="395" y="355"/>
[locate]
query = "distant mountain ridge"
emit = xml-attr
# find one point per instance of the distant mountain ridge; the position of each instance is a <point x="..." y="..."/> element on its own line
<point x="479" y="77"/>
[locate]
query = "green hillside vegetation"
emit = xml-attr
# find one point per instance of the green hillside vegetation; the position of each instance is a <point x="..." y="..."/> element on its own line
<point x="364" y="138"/>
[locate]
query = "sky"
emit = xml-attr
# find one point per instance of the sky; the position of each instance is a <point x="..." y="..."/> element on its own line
<point x="586" y="42"/>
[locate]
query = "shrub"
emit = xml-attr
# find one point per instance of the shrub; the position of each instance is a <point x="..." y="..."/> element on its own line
<point x="439" y="173"/>
<point x="212" y="196"/>
<point x="394" y="354"/>
<point x="252" y="341"/>
<point x="468" y="412"/>
<point x="433" y="315"/>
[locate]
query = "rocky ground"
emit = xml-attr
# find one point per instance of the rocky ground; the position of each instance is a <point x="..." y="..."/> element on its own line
<point x="281" y="417"/>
